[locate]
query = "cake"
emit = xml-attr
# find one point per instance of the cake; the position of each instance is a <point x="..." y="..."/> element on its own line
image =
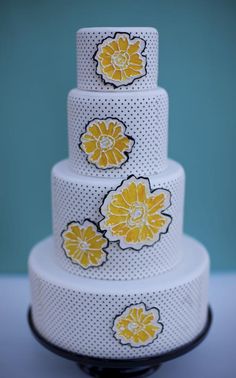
<point x="118" y="279"/>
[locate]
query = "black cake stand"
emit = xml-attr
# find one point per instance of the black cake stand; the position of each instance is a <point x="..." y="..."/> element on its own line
<point x="104" y="368"/>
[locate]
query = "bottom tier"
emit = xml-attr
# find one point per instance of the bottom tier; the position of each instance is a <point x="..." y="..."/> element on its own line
<point x="120" y="319"/>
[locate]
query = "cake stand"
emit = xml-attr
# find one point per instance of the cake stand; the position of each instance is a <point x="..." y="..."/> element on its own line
<point x="104" y="368"/>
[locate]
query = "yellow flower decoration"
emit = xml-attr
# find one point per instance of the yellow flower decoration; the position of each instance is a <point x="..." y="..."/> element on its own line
<point x="84" y="244"/>
<point x="137" y="325"/>
<point x="133" y="214"/>
<point x="105" y="143"/>
<point x="120" y="60"/>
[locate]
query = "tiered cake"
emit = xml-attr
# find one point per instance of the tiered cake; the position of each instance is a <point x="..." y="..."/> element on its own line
<point x="118" y="280"/>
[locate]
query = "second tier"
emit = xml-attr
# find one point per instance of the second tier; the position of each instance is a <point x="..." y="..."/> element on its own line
<point x="116" y="134"/>
<point x="118" y="229"/>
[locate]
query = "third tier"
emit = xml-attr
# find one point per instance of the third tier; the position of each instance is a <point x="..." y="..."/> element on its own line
<point x="117" y="134"/>
<point x="118" y="229"/>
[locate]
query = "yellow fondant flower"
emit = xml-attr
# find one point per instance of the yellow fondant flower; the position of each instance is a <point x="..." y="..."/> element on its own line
<point x="120" y="60"/>
<point x="133" y="214"/>
<point x="137" y="325"/>
<point x="84" y="244"/>
<point x="106" y="143"/>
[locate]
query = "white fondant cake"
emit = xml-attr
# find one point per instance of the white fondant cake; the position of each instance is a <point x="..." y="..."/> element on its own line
<point x="118" y="279"/>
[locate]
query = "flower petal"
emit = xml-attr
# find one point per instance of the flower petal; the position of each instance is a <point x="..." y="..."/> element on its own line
<point x="145" y="233"/>
<point x="111" y="128"/>
<point x="133" y="192"/>
<point x="118" y="154"/>
<point x="147" y="318"/>
<point x="111" y="157"/>
<point x="133" y="313"/>
<point x="70" y="235"/>
<point x="117" y="75"/>
<point x="107" y="50"/>
<point x="117" y="131"/>
<point x="123" y="43"/>
<point x="156" y="202"/>
<point x="70" y="243"/>
<point x="133" y="235"/>
<point x="115" y="219"/>
<point x="135" y="68"/>
<point x="151" y="329"/>
<point x="120" y="229"/>
<point x="95" y="256"/>
<point x="117" y="210"/>
<point x="95" y="156"/>
<point x="118" y="200"/>
<point x="156" y="220"/>
<point x="71" y="248"/>
<point x="134" y="48"/>
<point x="109" y="70"/>
<point x="94" y="130"/>
<point x="103" y="128"/>
<point x="122" y="144"/>
<point x="141" y="192"/>
<point x="77" y="255"/>
<point x="89" y="146"/>
<point x="104" y="56"/>
<point x="135" y="58"/>
<point x="143" y="336"/>
<point x="76" y="230"/>
<point x="127" y="334"/>
<point x="114" y="46"/>
<point x="84" y="261"/>
<point x="130" y="72"/>
<point x="97" y="242"/>
<point x="87" y="137"/>
<point x="106" y="61"/>
<point x="89" y="233"/>
<point x="127" y="197"/>
<point x="102" y="160"/>
<point x="139" y="314"/>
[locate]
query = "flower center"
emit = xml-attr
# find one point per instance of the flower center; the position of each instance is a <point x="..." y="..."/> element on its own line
<point x="120" y="59"/>
<point x="134" y="327"/>
<point x="106" y="142"/>
<point x="137" y="214"/>
<point x="83" y="246"/>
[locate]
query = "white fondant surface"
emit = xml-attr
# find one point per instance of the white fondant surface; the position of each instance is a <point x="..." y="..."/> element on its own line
<point x="77" y="313"/>
<point x="76" y="198"/>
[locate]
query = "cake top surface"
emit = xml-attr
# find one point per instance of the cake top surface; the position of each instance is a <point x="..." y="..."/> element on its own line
<point x="118" y="28"/>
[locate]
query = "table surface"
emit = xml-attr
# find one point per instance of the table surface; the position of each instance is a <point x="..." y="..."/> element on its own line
<point x="22" y="356"/>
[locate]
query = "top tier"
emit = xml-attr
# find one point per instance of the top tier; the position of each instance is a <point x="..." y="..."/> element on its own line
<point x="117" y="59"/>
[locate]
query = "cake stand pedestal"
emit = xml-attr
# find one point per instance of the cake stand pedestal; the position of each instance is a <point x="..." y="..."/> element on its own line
<point x="104" y="368"/>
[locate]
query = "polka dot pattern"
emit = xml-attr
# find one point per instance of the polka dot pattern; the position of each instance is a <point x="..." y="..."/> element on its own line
<point x="145" y="115"/>
<point x="87" y="40"/>
<point x="76" y="198"/>
<point x="81" y="321"/>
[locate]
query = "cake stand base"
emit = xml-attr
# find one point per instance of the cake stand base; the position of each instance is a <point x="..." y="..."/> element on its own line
<point x="104" y="368"/>
<point x="100" y="372"/>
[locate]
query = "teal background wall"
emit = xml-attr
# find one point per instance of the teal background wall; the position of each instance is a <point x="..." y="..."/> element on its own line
<point x="37" y="69"/>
